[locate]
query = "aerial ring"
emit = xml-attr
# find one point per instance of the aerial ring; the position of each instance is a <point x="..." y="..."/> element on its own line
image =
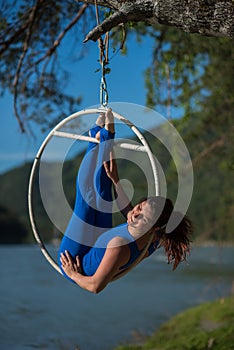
<point x="55" y="132"/>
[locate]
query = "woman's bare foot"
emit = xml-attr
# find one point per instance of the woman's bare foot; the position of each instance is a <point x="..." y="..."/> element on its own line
<point x="109" y="122"/>
<point x="101" y="119"/>
<point x="100" y="122"/>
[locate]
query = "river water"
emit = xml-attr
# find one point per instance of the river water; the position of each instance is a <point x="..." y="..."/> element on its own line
<point x="41" y="310"/>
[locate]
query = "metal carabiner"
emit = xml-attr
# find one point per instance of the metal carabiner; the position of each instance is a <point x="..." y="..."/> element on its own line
<point x="103" y="93"/>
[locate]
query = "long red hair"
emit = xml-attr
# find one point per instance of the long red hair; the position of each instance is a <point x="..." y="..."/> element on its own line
<point x="177" y="242"/>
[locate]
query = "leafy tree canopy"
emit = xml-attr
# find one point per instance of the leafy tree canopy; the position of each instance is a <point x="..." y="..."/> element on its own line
<point x="32" y="33"/>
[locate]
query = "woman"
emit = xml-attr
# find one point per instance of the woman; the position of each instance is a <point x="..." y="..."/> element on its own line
<point x="92" y="253"/>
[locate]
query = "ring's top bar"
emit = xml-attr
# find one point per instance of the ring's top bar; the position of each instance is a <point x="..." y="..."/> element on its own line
<point x="119" y="143"/>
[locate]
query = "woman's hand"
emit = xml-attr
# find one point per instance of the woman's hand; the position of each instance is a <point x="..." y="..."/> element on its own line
<point x="70" y="266"/>
<point x="111" y="169"/>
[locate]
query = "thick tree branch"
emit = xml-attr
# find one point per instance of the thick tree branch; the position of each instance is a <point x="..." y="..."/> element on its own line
<point x="128" y="11"/>
<point x="211" y="18"/>
<point x="114" y="4"/>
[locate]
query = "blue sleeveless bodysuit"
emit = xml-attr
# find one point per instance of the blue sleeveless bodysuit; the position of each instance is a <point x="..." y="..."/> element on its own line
<point x="93" y="258"/>
<point x="90" y="228"/>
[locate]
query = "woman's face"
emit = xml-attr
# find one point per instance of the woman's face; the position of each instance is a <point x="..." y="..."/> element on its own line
<point x="140" y="218"/>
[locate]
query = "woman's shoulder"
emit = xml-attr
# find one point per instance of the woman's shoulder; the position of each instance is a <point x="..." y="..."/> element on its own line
<point x="118" y="234"/>
<point x="118" y="241"/>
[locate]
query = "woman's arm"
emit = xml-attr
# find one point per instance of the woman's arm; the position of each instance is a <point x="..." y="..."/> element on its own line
<point x="84" y="282"/>
<point x="122" y="199"/>
<point x="116" y="255"/>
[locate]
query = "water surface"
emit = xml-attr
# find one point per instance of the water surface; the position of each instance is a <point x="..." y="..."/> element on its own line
<point x="42" y="310"/>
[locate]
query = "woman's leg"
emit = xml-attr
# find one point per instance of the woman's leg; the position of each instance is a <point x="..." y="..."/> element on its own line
<point x="103" y="183"/>
<point x="80" y="232"/>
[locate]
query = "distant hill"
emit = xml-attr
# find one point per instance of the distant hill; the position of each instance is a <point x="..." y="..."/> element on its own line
<point x="11" y="229"/>
<point x="211" y="207"/>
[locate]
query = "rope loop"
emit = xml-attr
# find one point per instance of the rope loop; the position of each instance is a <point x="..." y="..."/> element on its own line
<point x="103" y="59"/>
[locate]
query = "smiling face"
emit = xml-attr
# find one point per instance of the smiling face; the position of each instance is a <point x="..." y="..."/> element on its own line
<point x="140" y="218"/>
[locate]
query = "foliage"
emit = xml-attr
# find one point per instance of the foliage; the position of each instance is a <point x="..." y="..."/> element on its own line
<point x="31" y="65"/>
<point x="207" y="326"/>
<point x="33" y="50"/>
<point x="193" y="74"/>
<point x="11" y="228"/>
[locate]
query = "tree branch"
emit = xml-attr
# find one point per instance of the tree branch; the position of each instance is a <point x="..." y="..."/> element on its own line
<point x="216" y="144"/>
<point x="20" y="62"/>
<point x="203" y="154"/>
<point x="28" y="26"/>
<point x="62" y="34"/>
<point x="114" y="4"/>
<point x="211" y="18"/>
<point x="128" y="11"/>
<point x="6" y="43"/>
<point x="109" y="23"/>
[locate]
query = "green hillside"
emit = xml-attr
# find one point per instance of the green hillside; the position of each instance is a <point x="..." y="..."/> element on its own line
<point x="207" y="326"/>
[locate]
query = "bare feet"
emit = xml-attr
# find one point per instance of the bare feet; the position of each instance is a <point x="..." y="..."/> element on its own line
<point x="101" y="119"/>
<point x="100" y="122"/>
<point x="109" y="122"/>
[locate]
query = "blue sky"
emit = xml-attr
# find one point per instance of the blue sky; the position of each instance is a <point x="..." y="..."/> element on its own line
<point x="125" y="84"/>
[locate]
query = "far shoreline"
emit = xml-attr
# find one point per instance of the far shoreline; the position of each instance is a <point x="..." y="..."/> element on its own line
<point x="208" y="243"/>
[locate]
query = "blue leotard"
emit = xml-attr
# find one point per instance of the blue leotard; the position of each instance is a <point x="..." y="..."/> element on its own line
<point x="90" y="227"/>
<point x="92" y="259"/>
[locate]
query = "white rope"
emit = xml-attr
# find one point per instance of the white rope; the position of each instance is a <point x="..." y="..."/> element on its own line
<point x="55" y="132"/>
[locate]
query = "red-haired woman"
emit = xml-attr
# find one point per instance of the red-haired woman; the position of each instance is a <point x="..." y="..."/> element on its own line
<point x="92" y="253"/>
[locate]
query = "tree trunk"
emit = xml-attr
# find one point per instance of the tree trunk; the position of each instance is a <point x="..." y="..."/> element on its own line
<point x="206" y="17"/>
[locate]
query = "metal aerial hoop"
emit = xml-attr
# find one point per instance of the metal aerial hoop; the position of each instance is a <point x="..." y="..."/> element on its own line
<point x="144" y="147"/>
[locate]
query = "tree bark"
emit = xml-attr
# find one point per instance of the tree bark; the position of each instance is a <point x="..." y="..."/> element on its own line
<point x="206" y="17"/>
